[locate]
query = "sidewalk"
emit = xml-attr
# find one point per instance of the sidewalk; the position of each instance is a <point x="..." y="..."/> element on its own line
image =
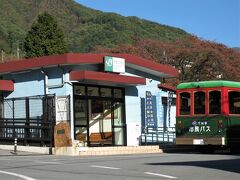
<point x="19" y="153"/>
<point x="27" y="149"/>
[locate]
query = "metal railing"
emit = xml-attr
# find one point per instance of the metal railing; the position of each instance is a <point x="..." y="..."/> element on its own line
<point x="30" y="119"/>
<point x="159" y="135"/>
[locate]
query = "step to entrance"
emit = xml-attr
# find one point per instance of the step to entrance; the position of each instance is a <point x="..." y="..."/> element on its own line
<point x="99" y="151"/>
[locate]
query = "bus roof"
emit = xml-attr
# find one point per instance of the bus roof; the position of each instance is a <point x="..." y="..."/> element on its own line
<point x="208" y="84"/>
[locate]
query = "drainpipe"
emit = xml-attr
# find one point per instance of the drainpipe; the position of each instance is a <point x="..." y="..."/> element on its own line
<point x="45" y="81"/>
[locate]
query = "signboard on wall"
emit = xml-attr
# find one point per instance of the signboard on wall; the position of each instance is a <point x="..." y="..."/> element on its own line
<point x="114" y="64"/>
<point x="62" y="108"/>
<point x="150" y="120"/>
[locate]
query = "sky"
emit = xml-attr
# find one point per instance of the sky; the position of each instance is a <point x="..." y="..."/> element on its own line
<point x="214" y="20"/>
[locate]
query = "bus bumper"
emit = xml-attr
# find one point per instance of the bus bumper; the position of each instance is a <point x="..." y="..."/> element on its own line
<point x="201" y="141"/>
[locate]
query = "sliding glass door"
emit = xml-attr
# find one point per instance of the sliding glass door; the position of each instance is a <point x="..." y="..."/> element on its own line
<point x="99" y="115"/>
<point x="119" y="127"/>
<point x="100" y="123"/>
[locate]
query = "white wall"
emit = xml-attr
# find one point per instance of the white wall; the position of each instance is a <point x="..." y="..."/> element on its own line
<point x="133" y="108"/>
<point x="134" y="113"/>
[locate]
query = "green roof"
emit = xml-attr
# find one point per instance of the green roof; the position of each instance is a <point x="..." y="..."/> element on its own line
<point x="208" y="84"/>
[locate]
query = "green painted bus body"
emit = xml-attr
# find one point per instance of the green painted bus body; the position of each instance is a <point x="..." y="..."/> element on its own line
<point x="217" y="130"/>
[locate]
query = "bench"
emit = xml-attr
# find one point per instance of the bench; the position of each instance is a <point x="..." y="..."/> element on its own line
<point x="81" y="137"/>
<point x="101" y="138"/>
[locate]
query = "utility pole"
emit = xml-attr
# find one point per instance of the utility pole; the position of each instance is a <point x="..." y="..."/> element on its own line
<point x="18" y="52"/>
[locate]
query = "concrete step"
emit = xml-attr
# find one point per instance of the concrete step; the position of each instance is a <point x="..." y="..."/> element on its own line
<point x="98" y="151"/>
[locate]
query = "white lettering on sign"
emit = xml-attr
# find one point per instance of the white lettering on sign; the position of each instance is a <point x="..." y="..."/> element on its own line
<point x="198" y="126"/>
<point x="114" y="64"/>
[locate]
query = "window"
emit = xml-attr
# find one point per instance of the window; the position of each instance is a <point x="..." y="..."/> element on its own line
<point x="118" y="93"/>
<point x="79" y="90"/>
<point x="92" y="91"/>
<point x="165" y="101"/>
<point x="199" y="102"/>
<point x="234" y="102"/>
<point x="80" y="112"/>
<point x="185" y="103"/>
<point x="215" y="102"/>
<point x="106" y="92"/>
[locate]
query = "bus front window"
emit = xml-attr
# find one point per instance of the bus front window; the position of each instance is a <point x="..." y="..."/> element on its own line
<point x="199" y="102"/>
<point x="185" y="103"/>
<point x="215" y="102"/>
<point x="234" y="102"/>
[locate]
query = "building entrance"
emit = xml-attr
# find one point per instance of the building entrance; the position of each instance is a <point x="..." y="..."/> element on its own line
<point x="100" y="122"/>
<point x="99" y="116"/>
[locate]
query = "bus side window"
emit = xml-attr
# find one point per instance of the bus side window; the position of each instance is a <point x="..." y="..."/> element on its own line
<point x="234" y="102"/>
<point x="215" y="102"/>
<point x="185" y="103"/>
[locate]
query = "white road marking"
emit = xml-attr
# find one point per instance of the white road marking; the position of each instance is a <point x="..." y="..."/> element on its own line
<point x="105" y="167"/>
<point x="17" y="175"/>
<point x="45" y="162"/>
<point x="161" y="175"/>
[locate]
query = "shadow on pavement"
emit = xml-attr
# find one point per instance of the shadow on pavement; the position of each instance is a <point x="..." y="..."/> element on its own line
<point x="232" y="165"/>
<point x="177" y="148"/>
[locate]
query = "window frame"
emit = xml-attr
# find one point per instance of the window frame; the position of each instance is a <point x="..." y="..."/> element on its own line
<point x="229" y="91"/>
<point x="208" y="101"/>
<point x="180" y="104"/>
<point x="205" y="102"/>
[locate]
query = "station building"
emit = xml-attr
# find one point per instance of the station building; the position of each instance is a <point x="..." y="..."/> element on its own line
<point x="105" y="99"/>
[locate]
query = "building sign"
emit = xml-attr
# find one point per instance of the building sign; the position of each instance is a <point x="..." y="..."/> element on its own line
<point x="149" y="110"/>
<point x="114" y="64"/>
<point x="199" y="127"/>
<point x="62" y="108"/>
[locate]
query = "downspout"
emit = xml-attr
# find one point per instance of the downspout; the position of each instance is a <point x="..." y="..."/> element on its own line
<point x="45" y="81"/>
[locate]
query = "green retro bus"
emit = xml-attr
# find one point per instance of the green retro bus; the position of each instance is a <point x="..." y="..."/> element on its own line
<point x="208" y="115"/>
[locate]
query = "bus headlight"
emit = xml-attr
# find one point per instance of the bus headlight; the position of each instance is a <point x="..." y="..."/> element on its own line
<point x="179" y="124"/>
<point x="220" y="124"/>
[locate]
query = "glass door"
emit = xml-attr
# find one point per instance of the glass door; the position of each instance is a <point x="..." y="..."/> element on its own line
<point x="100" y="123"/>
<point x="119" y="126"/>
<point x="99" y="115"/>
<point x="81" y="120"/>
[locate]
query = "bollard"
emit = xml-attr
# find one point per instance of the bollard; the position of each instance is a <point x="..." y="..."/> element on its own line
<point x="15" y="145"/>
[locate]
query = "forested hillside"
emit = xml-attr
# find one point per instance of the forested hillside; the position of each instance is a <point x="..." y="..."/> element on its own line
<point x="84" y="28"/>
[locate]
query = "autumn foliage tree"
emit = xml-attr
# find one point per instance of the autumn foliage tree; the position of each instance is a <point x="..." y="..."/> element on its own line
<point x="196" y="59"/>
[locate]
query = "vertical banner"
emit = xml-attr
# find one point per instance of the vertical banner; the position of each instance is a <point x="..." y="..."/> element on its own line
<point x="150" y="122"/>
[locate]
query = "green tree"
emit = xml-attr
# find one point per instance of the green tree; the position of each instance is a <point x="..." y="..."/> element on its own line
<point x="44" y="38"/>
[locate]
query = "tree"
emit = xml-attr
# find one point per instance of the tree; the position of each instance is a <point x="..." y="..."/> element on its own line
<point x="195" y="59"/>
<point x="45" y="38"/>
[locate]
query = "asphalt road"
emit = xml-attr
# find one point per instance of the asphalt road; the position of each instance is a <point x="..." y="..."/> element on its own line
<point x="184" y="166"/>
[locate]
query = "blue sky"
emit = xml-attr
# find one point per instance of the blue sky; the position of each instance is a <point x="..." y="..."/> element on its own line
<point x="214" y="20"/>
